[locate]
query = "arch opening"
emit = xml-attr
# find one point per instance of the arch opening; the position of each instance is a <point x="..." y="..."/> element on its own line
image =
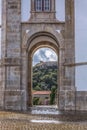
<point x="44" y="77"/>
<point x="33" y="47"/>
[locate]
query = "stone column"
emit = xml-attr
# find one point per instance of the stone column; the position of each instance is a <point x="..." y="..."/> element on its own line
<point x="32" y="5"/>
<point x="69" y="41"/>
<point x="67" y="92"/>
<point x="52" y="5"/>
<point x="11" y="54"/>
<point x="53" y="8"/>
<point x="29" y="86"/>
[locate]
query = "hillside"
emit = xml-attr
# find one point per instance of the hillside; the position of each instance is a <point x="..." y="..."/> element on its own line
<point x="45" y="76"/>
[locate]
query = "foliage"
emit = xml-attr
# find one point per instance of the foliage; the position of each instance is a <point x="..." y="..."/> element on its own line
<point x="44" y="77"/>
<point x="35" y="101"/>
<point x="37" y="88"/>
<point x="53" y="95"/>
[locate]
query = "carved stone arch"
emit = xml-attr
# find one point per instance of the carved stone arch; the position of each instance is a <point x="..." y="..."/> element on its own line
<point x="28" y="36"/>
<point x="37" y="41"/>
<point x="44" y="44"/>
<point x="42" y="37"/>
<point x="16" y="52"/>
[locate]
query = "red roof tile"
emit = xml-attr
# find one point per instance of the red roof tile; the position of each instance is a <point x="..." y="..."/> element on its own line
<point x="41" y="92"/>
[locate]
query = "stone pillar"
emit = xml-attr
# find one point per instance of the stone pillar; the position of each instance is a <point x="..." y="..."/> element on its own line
<point x="29" y="87"/>
<point x="32" y="5"/>
<point x="67" y="91"/>
<point x="69" y="41"/>
<point x="11" y="54"/>
<point x="53" y="8"/>
<point x="52" y="5"/>
<point x="3" y="55"/>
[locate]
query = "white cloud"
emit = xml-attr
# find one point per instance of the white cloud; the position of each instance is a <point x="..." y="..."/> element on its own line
<point x="48" y="53"/>
<point x="51" y="55"/>
<point x="44" y="54"/>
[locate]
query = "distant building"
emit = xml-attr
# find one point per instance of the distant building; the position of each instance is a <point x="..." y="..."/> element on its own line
<point x="47" y="64"/>
<point x="44" y="96"/>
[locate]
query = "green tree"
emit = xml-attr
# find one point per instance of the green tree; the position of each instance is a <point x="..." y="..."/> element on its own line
<point x="37" y="88"/>
<point x="35" y="101"/>
<point x="52" y="95"/>
<point x="44" y="77"/>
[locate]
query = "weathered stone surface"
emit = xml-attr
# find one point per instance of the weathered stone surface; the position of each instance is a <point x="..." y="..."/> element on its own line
<point x="21" y="40"/>
<point x="81" y="100"/>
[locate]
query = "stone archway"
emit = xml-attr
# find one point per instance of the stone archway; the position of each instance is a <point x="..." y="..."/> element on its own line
<point x="39" y="41"/>
<point x="21" y="39"/>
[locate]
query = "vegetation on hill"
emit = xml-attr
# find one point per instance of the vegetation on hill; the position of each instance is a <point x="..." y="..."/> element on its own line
<point x="44" y="78"/>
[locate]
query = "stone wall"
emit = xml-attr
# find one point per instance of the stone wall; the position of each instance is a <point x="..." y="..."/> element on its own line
<point x="20" y="40"/>
<point x="11" y="92"/>
<point x="81" y="100"/>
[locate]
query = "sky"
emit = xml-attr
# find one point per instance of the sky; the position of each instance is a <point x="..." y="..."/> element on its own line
<point x="80" y="35"/>
<point x="44" y="54"/>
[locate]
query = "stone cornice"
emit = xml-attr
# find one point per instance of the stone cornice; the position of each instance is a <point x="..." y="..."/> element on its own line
<point x="45" y="22"/>
<point x="10" y="61"/>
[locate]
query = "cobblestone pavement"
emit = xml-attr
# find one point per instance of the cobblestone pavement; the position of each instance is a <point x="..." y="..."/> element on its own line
<point x="26" y="121"/>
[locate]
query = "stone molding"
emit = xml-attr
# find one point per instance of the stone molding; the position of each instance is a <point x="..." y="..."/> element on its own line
<point x="10" y="61"/>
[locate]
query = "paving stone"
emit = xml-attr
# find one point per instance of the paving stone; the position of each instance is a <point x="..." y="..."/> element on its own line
<point x="19" y="121"/>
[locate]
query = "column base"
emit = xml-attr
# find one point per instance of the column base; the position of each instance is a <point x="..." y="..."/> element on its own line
<point x="67" y="99"/>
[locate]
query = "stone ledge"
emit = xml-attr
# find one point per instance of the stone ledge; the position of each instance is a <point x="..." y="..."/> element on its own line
<point x="10" y="61"/>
